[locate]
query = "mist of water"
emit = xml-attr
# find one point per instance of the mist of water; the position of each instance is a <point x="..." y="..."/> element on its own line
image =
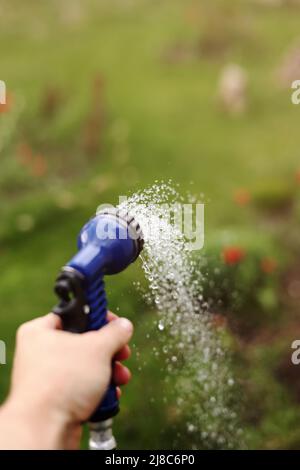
<point x="193" y="351"/>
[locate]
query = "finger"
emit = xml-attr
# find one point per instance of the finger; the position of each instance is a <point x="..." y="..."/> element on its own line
<point x="111" y="316"/>
<point x="115" y="335"/>
<point x="121" y="374"/>
<point x="119" y="393"/>
<point x="123" y="354"/>
<point x="50" y="321"/>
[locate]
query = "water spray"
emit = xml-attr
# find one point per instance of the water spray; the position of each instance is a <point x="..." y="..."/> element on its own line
<point x="107" y="244"/>
<point x="192" y="351"/>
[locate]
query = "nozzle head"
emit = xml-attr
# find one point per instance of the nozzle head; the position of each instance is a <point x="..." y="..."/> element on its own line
<point x="107" y="244"/>
<point x="129" y="222"/>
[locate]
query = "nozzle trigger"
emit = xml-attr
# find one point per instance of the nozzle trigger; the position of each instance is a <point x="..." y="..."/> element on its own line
<point x="69" y="288"/>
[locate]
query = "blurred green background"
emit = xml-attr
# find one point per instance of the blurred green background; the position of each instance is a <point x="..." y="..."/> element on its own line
<point x="104" y="98"/>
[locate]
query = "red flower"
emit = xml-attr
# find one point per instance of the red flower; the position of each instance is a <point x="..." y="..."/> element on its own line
<point x="233" y="255"/>
<point x="242" y="197"/>
<point x="25" y="154"/>
<point x="39" y="167"/>
<point x="268" y="265"/>
<point x="36" y="163"/>
<point x="219" y="321"/>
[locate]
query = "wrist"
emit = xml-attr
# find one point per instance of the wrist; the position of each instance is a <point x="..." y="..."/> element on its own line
<point x="26" y="425"/>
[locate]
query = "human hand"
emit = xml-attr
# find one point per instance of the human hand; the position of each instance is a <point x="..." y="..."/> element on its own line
<point x="58" y="380"/>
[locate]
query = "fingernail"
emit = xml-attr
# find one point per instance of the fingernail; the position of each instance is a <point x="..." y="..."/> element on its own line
<point x="126" y="324"/>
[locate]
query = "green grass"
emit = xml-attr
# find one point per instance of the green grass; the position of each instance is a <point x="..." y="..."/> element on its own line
<point x="161" y="120"/>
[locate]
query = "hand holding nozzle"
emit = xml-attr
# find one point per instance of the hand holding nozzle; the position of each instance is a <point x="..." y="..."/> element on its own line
<point x="57" y="381"/>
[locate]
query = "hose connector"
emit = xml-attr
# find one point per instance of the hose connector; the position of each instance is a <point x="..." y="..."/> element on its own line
<point x="101" y="436"/>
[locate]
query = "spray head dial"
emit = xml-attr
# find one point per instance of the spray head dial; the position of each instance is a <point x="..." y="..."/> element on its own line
<point x="127" y="220"/>
<point x="107" y="244"/>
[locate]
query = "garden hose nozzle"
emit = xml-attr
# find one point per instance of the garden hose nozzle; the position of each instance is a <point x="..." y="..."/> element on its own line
<point x="107" y="244"/>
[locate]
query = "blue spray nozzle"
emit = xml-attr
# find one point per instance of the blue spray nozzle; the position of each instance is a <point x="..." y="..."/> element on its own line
<point x="107" y="244"/>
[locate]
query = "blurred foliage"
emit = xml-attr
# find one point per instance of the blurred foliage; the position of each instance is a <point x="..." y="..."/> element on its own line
<point x="104" y="98"/>
<point x="241" y="281"/>
<point x="274" y="196"/>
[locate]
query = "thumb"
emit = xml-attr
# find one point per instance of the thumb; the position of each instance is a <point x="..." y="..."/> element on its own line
<point x="50" y="322"/>
<point x="115" y="335"/>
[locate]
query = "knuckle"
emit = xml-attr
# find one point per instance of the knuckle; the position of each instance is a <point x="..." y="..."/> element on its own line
<point x="23" y="330"/>
<point x="94" y="347"/>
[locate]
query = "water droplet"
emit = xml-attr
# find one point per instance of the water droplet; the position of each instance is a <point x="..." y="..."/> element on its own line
<point x="191" y="428"/>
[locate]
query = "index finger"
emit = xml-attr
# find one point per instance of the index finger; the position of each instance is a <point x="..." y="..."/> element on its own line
<point x="111" y="316"/>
